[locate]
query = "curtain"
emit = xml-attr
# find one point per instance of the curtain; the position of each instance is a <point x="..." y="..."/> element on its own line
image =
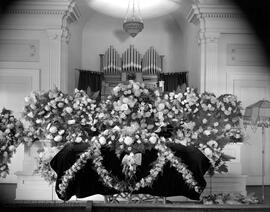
<point x="90" y="80"/>
<point x="174" y="81"/>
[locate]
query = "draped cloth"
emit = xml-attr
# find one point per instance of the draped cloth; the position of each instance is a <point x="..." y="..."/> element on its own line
<point x="90" y="79"/>
<point x="168" y="183"/>
<point x="173" y="80"/>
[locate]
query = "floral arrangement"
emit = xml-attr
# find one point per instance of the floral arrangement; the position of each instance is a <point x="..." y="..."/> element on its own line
<point x="11" y="131"/>
<point x="229" y="199"/>
<point x="135" y="117"/>
<point x="60" y="118"/>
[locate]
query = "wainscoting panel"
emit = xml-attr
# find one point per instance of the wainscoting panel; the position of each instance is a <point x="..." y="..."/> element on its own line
<point x="244" y="55"/>
<point x="14" y="50"/>
<point x="250" y="88"/>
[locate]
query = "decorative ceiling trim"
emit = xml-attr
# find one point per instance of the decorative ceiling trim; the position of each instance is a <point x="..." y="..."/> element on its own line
<point x="199" y="11"/>
<point x="46" y="7"/>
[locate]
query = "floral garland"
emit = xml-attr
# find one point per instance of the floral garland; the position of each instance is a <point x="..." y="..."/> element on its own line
<point x="11" y="131"/>
<point x="43" y="168"/>
<point x="164" y="155"/>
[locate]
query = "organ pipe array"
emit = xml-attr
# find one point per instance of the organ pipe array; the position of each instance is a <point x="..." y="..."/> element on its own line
<point x="111" y="61"/>
<point x="151" y="62"/>
<point x="131" y="61"/>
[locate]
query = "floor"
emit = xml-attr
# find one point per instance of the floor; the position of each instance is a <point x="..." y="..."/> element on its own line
<point x="7" y="192"/>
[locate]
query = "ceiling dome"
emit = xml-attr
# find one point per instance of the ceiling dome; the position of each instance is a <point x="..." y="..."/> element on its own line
<point x="148" y="8"/>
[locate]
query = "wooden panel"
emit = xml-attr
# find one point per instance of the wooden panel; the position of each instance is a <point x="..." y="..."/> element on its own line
<point x="244" y="55"/>
<point x="19" y="50"/>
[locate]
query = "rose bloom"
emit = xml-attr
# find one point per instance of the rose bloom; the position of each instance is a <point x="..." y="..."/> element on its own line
<point x="78" y="139"/>
<point x="102" y="140"/>
<point x="125" y="100"/>
<point x="124" y="107"/>
<point x="57" y="138"/>
<point x="53" y="129"/>
<point x="68" y="109"/>
<point x="208" y="152"/>
<point x="228" y="127"/>
<point x="153" y="140"/>
<point x="128" y="140"/>
<point x="207" y="132"/>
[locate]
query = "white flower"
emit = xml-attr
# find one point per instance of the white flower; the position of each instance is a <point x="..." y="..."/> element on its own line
<point x="38" y="121"/>
<point x="68" y="109"/>
<point x="47" y="108"/>
<point x="31" y="115"/>
<point x="135" y="87"/>
<point x="53" y="129"/>
<point x="161" y="106"/>
<point x="116" y="128"/>
<point x="57" y="138"/>
<point x="212" y="143"/>
<point x="27" y="99"/>
<point x="11" y="148"/>
<point x="125" y="100"/>
<point x="216" y="124"/>
<point x="102" y="140"/>
<point x="124" y="107"/>
<point x="153" y="139"/>
<point x="61" y="132"/>
<point x="204" y="121"/>
<point x="78" y="139"/>
<point x="137" y="93"/>
<point x="207" y="132"/>
<point x="228" y="127"/>
<point x="116" y="90"/>
<point x="33" y="106"/>
<point x="128" y="140"/>
<point x="60" y="104"/>
<point x="208" y="152"/>
<point x="71" y="121"/>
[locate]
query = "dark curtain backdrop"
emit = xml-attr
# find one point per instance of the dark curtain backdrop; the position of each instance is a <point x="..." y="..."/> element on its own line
<point x="173" y="80"/>
<point x="90" y="79"/>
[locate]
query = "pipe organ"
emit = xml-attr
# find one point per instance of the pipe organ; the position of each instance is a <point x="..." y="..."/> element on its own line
<point x="131" y="61"/>
<point x="130" y="65"/>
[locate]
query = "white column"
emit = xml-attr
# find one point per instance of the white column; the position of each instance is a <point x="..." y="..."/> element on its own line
<point x="209" y="60"/>
<point x="58" y="58"/>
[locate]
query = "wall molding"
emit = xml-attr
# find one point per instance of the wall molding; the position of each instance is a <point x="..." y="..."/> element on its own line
<point x="66" y="8"/>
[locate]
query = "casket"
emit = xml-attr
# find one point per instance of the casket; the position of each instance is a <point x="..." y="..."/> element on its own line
<point x="168" y="183"/>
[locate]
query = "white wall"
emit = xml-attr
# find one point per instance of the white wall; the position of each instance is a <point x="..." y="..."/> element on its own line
<point x="192" y="55"/>
<point x="74" y="55"/>
<point x="164" y="34"/>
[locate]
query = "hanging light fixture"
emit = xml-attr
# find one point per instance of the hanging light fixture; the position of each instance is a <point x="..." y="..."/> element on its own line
<point x="133" y="23"/>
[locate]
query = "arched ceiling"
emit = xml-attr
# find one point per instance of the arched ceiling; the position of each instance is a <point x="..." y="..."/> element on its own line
<point x="148" y="8"/>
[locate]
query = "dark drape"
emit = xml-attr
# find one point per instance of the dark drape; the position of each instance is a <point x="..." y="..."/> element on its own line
<point x="173" y="80"/>
<point x="90" y="79"/>
<point x="168" y="183"/>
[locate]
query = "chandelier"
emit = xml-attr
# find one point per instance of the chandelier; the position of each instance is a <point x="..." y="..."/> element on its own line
<point x="133" y="23"/>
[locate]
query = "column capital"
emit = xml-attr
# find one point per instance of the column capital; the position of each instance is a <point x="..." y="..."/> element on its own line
<point x="62" y="34"/>
<point x="208" y="37"/>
